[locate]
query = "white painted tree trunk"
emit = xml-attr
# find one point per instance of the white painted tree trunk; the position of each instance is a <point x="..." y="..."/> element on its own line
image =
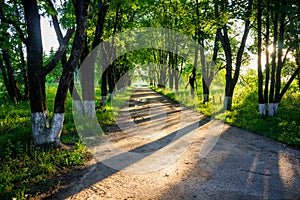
<point x="89" y="108"/>
<point x="227" y="102"/>
<point x="39" y="125"/>
<point x="42" y="134"/>
<point x="262" y="109"/>
<point x="56" y="127"/>
<point x="273" y="109"/>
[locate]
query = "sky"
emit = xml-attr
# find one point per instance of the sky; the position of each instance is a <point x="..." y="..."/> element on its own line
<point x="48" y="36"/>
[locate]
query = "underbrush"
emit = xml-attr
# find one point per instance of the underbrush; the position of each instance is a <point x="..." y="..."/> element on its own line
<point x="26" y="171"/>
<point x="284" y="127"/>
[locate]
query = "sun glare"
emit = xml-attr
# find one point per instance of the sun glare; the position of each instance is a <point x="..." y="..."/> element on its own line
<point x="270" y="49"/>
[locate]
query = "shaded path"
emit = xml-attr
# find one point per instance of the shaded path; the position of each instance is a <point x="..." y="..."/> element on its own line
<point x="158" y="152"/>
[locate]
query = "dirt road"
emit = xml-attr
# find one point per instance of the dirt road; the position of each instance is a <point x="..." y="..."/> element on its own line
<point x="160" y="150"/>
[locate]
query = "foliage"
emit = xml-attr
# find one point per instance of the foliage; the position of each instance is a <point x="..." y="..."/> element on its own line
<point x="285" y="127"/>
<point x="25" y="170"/>
<point x="183" y="97"/>
<point x="23" y="167"/>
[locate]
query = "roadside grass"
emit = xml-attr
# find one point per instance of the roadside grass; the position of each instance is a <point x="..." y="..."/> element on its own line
<point x="212" y="108"/>
<point x="26" y="171"/>
<point x="284" y="127"/>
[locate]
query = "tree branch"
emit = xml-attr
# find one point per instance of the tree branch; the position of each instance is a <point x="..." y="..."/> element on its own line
<point x="287" y="85"/>
<point x="52" y="64"/>
<point x="285" y="56"/>
<point x="14" y="24"/>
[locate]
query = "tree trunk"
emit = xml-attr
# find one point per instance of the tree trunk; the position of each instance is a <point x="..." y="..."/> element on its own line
<point x="298" y="80"/>
<point x="224" y="38"/>
<point x="76" y="98"/>
<point x="87" y="82"/>
<point x="102" y="10"/>
<point x="279" y="56"/>
<point x="177" y="75"/>
<point x="5" y="79"/>
<point x="192" y="77"/>
<point x="24" y="73"/>
<point x="228" y="77"/>
<point x="11" y="79"/>
<point x="267" y="66"/>
<point x="210" y="69"/>
<point x="261" y="102"/>
<point x="104" y="87"/>
<point x="111" y="79"/>
<point x="205" y="76"/>
<point x="42" y="134"/>
<point x="72" y="90"/>
<point x="39" y="113"/>
<point x="7" y="69"/>
<point x="205" y="91"/>
<point x="81" y="12"/>
<point x="171" y="70"/>
<point x="272" y="84"/>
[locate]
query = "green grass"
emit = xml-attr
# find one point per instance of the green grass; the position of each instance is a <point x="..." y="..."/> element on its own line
<point x="26" y="171"/>
<point x="284" y="127"/>
<point x="183" y="97"/>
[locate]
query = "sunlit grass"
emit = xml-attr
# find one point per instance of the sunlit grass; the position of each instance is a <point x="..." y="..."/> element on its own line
<point x="212" y="108"/>
<point x="24" y="170"/>
<point x="284" y="127"/>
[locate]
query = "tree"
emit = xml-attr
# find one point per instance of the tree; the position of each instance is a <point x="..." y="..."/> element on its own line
<point x="88" y="93"/>
<point x="284" y="18"/>
<point x="43" y="133"/>
<point x="12" y="62"/>
<point x="232" y="74"/>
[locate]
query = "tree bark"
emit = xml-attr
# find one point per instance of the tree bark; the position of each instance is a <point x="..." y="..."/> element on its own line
<point x="272" y="84"/>
<point x="5" y="79"/>
<point x="224" y="38"/>
<point x="12" y="87"/>
<point x="209" y="71"/>
<point x="192" y="77"/>
<point x="42" y="134"/>
<point x="267" y="65"/>
<point x="35" y="58"/>
<point x="228" y="77"/>
<point x="24" y="73"/>
<point x="37" y="95"/>
<point x="171" y="70"/>
<point x="261" y="102"/>
<point x="7" y="68"/>
<point x="12" y="81"/>
<point x="81" y="12"/>
<point x="298" y="80"/>
<point x="279" y="57"/>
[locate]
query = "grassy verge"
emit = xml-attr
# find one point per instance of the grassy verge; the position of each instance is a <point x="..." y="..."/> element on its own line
<point x="26" y="171"/>
<point x="112" y="107"/>
<point x="284" y="127"/>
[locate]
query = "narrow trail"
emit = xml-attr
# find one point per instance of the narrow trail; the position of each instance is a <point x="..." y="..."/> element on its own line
<point x="161" y="150"/>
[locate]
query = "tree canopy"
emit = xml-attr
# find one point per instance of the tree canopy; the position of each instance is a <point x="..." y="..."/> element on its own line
<point x="223" y="28"/>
